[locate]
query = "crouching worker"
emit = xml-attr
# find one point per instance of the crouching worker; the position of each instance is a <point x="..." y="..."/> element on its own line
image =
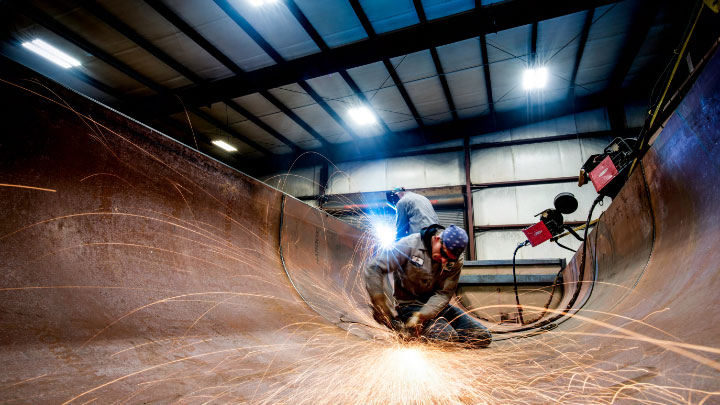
<point x="426" y="268"/>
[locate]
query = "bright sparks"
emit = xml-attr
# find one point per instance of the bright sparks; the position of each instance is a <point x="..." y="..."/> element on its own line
<point x="224" y="145"/>
<point x="51" y="53"/>
<point x="535" y="78"/>
<point x="385" y="234"/>
<point x="362" y="116"/>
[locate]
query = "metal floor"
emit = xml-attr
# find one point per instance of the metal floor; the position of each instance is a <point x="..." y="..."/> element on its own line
<point x="135" y="270"/>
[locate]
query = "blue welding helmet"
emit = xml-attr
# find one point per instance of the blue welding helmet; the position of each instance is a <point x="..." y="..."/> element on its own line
<point x="393" y="197"/>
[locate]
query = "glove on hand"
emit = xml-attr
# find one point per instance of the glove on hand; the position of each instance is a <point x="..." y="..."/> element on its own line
<point x="414" y="324"/>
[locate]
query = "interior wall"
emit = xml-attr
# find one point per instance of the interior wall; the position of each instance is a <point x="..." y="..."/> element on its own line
<point x="494" y="207"/>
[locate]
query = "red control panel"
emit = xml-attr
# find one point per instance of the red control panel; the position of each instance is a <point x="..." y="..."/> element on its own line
<point x="603" y="174"/>
<point x="537" y="233"/>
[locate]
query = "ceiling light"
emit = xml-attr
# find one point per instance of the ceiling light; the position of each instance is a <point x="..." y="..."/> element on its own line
<point x="362" y="116"/>
<point x="48" y="51"/>
<point x="535" y="78"/>
<point x="224" y="145"/>
<point x="260" y="3"/>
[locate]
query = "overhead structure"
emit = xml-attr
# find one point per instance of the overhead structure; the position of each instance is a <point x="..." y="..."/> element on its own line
<point x="277" y="79"/>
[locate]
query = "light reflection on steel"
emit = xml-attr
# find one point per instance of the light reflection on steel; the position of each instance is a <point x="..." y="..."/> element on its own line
<point x="152" y="274"/>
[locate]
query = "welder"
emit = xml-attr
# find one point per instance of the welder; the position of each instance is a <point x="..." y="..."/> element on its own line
<point x="414" y="211"/>
<point x="425" y="267"/>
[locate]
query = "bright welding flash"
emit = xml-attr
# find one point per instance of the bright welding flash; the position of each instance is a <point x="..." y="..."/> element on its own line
<point x="385" y="235"/>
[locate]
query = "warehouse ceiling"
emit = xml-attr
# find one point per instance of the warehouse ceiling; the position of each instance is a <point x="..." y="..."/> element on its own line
<point x="276" y="79"/>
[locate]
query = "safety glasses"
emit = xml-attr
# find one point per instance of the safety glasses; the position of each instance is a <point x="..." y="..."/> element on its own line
<point x="447" y="257"/>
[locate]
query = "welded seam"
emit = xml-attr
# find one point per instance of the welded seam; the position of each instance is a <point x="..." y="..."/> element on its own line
<point x="654" y="235"/>
<point x="282" y="260"/>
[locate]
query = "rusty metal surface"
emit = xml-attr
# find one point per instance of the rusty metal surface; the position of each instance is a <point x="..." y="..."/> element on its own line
<point x="135" y="270"/>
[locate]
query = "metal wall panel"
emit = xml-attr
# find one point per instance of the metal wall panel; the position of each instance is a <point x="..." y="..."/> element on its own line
<point x="444" y="169"/>
<point x="451" y="217"/>
<point x="298" y="182"/>
<point x="519" y="205"/>
<point x="408" y="172"/>
<point x="533" y="161"/>
<point x="588" y="121"/>
<point x="500" y="244"/>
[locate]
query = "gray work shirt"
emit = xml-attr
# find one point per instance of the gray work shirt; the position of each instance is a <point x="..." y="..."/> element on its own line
<point x="414" y="212"/>
<point x="418" y="279"/>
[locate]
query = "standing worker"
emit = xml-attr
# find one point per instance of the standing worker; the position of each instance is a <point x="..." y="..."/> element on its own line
<point x="414" y="212"/>
<point x="425" y="268"/>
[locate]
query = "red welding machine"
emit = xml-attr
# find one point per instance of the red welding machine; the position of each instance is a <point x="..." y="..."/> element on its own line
<point x="537" y="233"/>
<point x="608" y="170"/>
<point x="551" y="220"/>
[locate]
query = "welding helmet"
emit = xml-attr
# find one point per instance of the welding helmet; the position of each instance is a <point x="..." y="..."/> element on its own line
<point x="393" y="197"/>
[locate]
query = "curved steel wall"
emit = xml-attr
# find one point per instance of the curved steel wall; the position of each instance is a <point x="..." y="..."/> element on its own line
<point x="136" y="270"/>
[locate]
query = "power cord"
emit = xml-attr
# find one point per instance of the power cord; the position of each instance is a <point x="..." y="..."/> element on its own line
<point x="517" y="298"/>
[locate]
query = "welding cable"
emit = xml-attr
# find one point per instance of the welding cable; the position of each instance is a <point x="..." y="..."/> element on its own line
<point x="562" y="246"/>
<point x="517" y="298"/>
<point x="579" y="228"/>
<point x="576" y="293"/>
<point x="573" y="233"/>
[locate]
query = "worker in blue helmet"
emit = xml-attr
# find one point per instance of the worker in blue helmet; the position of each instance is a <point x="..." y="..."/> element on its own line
<point x="414" y="211"/>
<point x="425" y="268"/>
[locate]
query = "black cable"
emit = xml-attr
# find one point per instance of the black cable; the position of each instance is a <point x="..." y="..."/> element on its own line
<point x="581" y="277"/>
<point x="517" y="298"/>
<point x="563" y="246"/>
<point x="573" y="233"/>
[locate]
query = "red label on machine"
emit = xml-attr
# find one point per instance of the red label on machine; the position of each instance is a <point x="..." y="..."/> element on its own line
<point x="537" y="233"/>
<point x="603" y="174"/>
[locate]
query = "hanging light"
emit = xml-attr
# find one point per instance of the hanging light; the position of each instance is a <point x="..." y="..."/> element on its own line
<point x="51" y="53"/>
<point x="362" y="115"/>
<point x="535" y="78"/>
<point x="224" y="145"/>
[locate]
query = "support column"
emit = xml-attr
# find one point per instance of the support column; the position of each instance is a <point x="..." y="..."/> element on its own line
<point x="468" y="202"/>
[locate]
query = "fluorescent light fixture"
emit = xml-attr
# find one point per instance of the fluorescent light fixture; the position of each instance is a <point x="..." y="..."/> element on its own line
<point x="260" y="3"/>
<point x="224" y="145"/>
<point x="535" y="78"/>
<point x="362" y="116"/>
<point x="51" y="53"/>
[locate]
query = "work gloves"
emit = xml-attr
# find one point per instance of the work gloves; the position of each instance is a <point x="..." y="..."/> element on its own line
<point x="414" y="324"/>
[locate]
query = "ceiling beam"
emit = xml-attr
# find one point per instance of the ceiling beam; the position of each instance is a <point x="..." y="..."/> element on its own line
<point x="395" y="143"/>
<point x="231" y="12"/>
<point x="470" y="24"/>
<point x="108" y="18"/>
<point x="365" y="22"/>
<point x="486" y="65"/>
<point x="149" y="47"/>
<point x="581" y="49"/>
<point x="79" y="41"/>
<point x="533" y="44"/>
<point x="486" y="73"/>
<point x="403" y="92"/>
<point x="320" y="42"/>
<point x="642" y="21"/>
<point x="436" y="61"/>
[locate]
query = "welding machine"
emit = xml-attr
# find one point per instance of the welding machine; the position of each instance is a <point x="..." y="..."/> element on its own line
<point x="608" y="170"/>
<point x="551" y="220"/>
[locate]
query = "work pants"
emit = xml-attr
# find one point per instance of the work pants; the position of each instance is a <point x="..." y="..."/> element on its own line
<point x="451" y="325"/>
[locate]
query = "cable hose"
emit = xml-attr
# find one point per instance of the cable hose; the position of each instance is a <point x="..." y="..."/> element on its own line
<point x="563" y="246"/>
<point x="517" y="298"/>
<point x="581" y="277"/>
